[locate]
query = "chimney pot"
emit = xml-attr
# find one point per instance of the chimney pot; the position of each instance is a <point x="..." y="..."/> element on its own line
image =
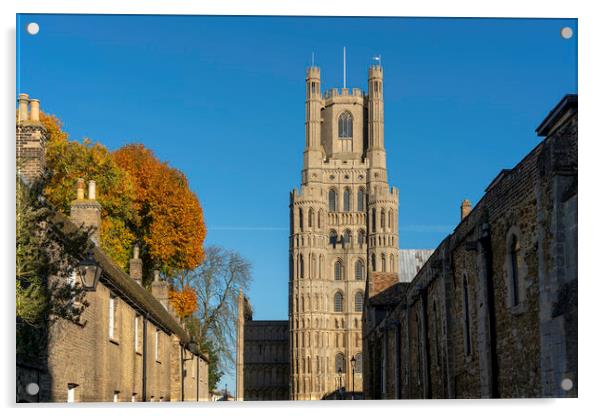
<point x="80" y="189"/>
<point x="136" y="266"/>
<point x="92" y="190"/>
<point x="465" y="209"/>
<point x="34" y="110"/>
<point x="23" y="103"/>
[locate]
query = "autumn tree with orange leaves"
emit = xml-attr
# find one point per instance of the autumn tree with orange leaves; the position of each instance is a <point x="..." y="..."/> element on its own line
<point x="171" y="227"/>
<point x="67" y="161"/>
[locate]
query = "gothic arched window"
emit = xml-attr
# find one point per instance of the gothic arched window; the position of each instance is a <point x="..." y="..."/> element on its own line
<point x="359" y="301"/>
<point x="339" y="363"/>
<point x="361" y="238"/>
<point x="348" y="237"/>
<point x="359" y="270"/>
<point x="382" y="218"/>
<point x="347" y="200"/>
<point x="333" y="238"/>
<point x="332" y="200"/>
<point x="346" y="125"/>
<point x="514" y="249"/>
<point x="338" y="302"/>
<point x="360" y="199"/>
<point x="301" y="219"/>
<point x="338" y="270"/>
<point x="383" y="263"/>
<point x="373" y="261"/>
<point x="310" y="218"/>
<point x="373" y="220"/>
<point x="391" y="263"/>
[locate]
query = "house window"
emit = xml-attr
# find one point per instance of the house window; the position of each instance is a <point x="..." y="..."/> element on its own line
<point x="359" y="270"/>
<point x="347" y="200"/>
<point x="112" y="317"/>
<point x="467" y="341"/>
<point x="338" y="302"/>
<point x="137" y="329"/>
<point x="359" y="301"/>
<point x="338" y="270"/>
<point x="157" y="345"/>
<point x="346" y="125"/>
<point x="514" y="282"/>
<point x="332" y="200"/>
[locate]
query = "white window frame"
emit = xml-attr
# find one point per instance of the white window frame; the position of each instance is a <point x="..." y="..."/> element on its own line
<point x="112" y="320"/>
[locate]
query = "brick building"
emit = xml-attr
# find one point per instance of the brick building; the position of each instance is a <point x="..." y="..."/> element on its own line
<point x="130" y="345"/>
<point x="493" y="312"/>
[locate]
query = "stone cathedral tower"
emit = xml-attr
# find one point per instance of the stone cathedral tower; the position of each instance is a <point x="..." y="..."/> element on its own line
<point x="343" y="226"/>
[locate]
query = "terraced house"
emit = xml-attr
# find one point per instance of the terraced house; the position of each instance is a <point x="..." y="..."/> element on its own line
<point x="130" y="346"/>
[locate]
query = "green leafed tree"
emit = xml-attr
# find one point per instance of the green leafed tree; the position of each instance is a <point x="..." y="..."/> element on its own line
<point x="47" y="255"/>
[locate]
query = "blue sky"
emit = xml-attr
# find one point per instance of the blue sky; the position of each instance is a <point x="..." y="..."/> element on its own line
<point x="222" y="99"/>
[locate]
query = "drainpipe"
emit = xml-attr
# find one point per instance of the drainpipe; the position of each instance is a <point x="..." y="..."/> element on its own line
<point x="144" y="355"/>
<point x="427" y="349"/>
<point x="182" y="369"/>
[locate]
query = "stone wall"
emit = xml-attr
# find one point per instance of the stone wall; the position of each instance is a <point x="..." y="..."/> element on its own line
<point x="493" y="312"/>
<point x="266" y="360"/>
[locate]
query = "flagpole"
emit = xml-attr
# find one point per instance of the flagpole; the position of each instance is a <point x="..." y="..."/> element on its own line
<point x="344" y="68"/>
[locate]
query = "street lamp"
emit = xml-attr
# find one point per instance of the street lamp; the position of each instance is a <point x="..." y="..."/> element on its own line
<point x="352" y="377"/>
<point x="89" y="272"/>
<point x="340" y="372"/>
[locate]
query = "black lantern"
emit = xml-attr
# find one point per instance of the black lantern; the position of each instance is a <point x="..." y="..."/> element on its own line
<point x="89" y="272"/>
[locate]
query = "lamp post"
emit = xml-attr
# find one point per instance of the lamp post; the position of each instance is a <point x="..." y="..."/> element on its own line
<point x="340" y="372"/>
<point x="352" y="377"/>
<point x="89" y="272"/>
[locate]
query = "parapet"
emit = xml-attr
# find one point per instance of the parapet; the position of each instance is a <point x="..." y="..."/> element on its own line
<point x="312" y="72"/>
<point x="375" y="71"/>
<point x="344" y="92"/>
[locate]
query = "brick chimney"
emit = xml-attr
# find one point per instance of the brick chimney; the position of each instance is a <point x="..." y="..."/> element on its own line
<point x="465" y="209"/>
<point x="32" y="137"/>
<point x="160" y="290"/>
<point x="136" y="266"/>
<point x="86" y="212"/>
